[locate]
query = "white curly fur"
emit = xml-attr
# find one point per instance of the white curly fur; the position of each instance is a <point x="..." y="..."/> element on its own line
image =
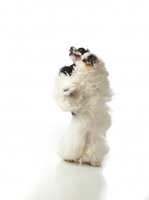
<point x="86" y="94"/>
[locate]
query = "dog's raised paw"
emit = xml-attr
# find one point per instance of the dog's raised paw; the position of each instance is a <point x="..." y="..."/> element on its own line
<point x="66" y="91"/>
<point x="90" y="60"/>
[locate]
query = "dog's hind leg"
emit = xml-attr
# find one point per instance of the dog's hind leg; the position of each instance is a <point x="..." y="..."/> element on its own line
<point x="95" y="150"/>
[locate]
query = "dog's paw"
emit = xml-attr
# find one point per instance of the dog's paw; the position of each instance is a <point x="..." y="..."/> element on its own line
<point x="68" y="90"/>
<point x="90" y="60"/>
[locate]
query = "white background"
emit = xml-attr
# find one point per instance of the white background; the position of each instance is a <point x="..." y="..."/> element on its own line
<point x="35" y="37"/>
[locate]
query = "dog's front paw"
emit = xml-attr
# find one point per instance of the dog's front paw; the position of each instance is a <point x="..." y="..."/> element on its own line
<point x="68" y="90"/>
<point x="90" y="60"/>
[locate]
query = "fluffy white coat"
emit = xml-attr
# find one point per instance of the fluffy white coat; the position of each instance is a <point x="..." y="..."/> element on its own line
<point x="85" y="94"/>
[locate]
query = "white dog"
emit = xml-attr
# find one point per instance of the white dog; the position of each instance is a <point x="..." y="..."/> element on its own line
<point x="85" y="94"/>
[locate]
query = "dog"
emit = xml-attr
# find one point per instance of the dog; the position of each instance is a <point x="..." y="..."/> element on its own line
<point x="85" y="93"/>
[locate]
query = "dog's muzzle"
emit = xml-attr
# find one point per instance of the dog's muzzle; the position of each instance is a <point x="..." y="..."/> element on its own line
<point x="75" y="52"/>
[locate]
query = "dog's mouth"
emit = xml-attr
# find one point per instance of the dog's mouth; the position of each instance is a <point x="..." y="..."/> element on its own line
<point x="75" y="54"/>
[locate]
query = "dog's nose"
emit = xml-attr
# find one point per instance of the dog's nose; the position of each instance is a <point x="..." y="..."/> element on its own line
<point x="71" y="49"/>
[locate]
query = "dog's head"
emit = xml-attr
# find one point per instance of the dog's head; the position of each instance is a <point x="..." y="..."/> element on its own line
<point x="76" y="54"/>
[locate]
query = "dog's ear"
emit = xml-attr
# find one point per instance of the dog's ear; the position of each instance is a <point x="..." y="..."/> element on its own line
<point x="82" y="50"/>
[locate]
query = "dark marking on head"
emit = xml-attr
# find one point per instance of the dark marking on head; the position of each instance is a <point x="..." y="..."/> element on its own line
<point x="90" y="60"/>
<point x="82" y="50"/>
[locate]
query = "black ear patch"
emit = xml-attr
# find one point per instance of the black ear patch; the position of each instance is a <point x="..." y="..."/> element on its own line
<point x="82" y="50"/>
<point x="90" y="60"/>
<point x="67" y="70"/>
